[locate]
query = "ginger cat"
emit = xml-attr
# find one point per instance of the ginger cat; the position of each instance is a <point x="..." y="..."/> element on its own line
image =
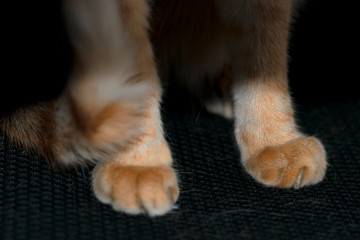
<point x="232" y="54"/>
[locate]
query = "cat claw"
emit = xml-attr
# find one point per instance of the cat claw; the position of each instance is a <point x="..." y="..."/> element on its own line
<point x="143" y="210"/>
<point x="299" y="179"/>
<point x="171" y="197"/>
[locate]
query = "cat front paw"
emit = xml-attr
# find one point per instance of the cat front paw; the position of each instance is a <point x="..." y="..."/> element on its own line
<point x="136" y="189"/>
<point x="299" y="162"/>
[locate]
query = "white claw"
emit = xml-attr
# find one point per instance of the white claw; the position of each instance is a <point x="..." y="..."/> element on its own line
<point x="299" y="179"/>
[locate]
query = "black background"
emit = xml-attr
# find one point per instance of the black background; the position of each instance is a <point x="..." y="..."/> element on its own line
<point x="324" y="52"/>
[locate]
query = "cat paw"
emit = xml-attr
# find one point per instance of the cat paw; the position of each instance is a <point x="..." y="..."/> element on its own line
<point x="135" y="189"/>
<point x="297" y="163"/>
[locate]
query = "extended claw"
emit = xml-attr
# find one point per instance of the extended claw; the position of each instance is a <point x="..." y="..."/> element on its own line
<point x="299" y="179"/>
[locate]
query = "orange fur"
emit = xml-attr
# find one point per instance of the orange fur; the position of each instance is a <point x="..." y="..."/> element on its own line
<point x="134" y="189"/>
<point x="280" y="165"/>
<point x="109" y="111"/>
<point x="32" y="127"/>
<point x="273" y="151"/>
<point x="141" y="176"/>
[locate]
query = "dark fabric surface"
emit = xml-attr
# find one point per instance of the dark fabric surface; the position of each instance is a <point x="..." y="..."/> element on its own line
<point x="218" y="199"/>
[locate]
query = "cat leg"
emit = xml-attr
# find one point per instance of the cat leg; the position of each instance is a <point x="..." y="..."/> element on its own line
<point x="115" y="92"/>
<point x="103" y="102"/>
<point x="273" y="150"/>
<point x="140" y="178"/>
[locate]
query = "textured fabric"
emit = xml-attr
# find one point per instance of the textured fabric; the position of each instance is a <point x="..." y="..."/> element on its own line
<point x="218" y="199"/>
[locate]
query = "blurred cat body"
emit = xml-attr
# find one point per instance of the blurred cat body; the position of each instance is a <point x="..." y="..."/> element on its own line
<point x="231" y="54"/>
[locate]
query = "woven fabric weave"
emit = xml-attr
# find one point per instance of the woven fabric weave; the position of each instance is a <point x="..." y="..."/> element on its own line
<point x="218" y="199"/>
